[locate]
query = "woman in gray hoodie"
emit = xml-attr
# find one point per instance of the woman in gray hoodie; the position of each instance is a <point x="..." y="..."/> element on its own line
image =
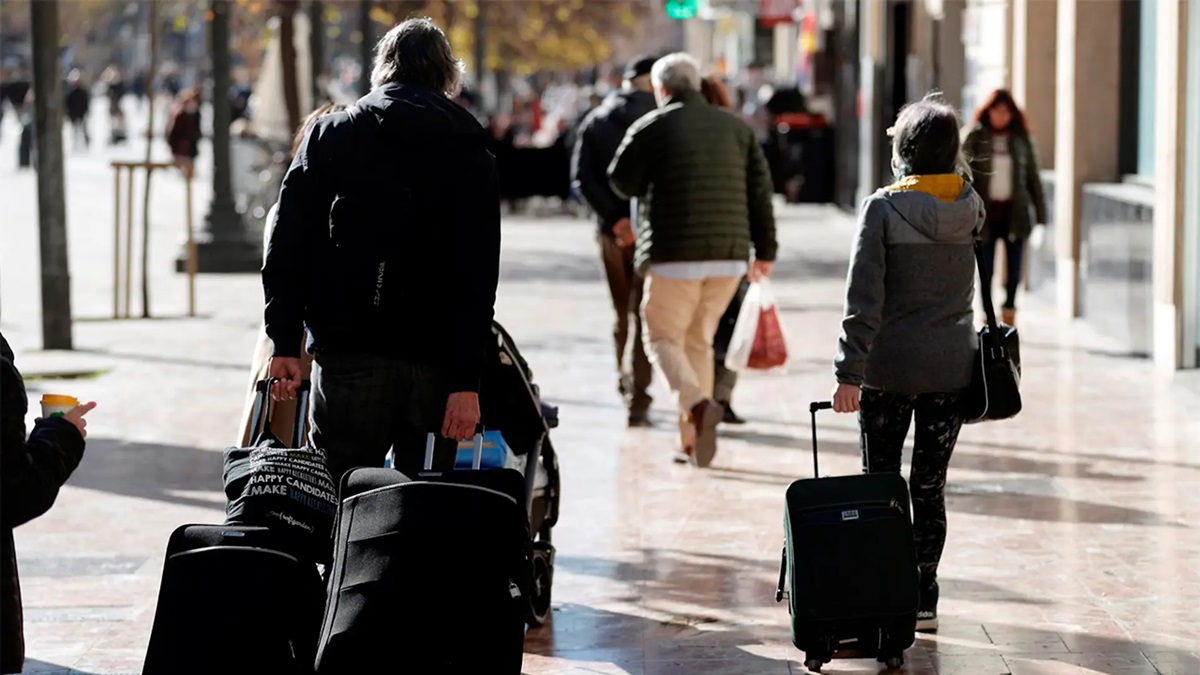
<point x="908" y="337"/>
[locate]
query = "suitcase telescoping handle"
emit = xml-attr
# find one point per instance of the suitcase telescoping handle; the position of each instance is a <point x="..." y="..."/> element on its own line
<point x="476" y="460"/>
<point x="813" y="408"/>
<point x="260" y="416"/>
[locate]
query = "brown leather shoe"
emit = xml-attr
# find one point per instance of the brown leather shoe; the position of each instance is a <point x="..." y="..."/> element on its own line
<point x="706" y="415"/>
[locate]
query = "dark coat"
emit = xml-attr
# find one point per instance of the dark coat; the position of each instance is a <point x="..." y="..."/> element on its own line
<point x="33" y="470"/>
<point x="706" y="186"/>
<point x="1029" y="202"/>
<point x="598" y="137"/>
<point x="424" y="188"/>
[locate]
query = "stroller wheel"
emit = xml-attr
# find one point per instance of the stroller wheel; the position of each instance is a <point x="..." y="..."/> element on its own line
<point x="538" y="610"/>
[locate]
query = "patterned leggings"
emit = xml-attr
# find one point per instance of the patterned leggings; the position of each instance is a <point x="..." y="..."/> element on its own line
<point x="884" y="419"/>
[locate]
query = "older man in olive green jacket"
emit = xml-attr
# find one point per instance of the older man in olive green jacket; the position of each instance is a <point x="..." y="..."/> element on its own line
<point x="706" y="213"/>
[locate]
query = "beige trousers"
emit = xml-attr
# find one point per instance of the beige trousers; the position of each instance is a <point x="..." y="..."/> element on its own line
<point x="681" y="317"/>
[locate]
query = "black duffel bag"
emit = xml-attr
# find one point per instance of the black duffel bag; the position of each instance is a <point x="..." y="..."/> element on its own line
<point x="286" y="489"/>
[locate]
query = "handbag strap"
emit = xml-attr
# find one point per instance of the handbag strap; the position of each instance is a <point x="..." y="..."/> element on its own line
<point x="986" y="292"/>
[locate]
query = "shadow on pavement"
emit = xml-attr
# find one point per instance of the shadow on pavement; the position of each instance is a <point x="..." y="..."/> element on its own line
<point x="586" y="635"/>
<point x="167" y="360"/>
<point x="665" y="577"/>
<point x="149" y="471"/>
<point x="35" y="667"/>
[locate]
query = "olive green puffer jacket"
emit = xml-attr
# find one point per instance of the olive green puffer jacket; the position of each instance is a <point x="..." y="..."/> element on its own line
<point x="703" y="181"/>
<point x="1028" y="203"/>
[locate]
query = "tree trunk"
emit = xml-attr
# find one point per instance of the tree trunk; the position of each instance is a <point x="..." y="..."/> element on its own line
<point x="52" y="210"/>
<point x="367" y="46"/>
<point x="287" y="43"/>
<point x="316" y="47"/>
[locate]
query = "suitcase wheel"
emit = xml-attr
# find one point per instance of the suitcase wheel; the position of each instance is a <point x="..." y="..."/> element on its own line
<point x="813" y="665"/>
<point x="891" y="662"/>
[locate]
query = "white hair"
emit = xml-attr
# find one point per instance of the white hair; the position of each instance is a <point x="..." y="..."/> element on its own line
<point x="676" y="73"/>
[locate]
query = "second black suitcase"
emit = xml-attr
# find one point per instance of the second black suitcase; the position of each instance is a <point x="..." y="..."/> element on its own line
<point x="429" y="575"/>
<point x="849" y="565"/>
<point x="232" y="601"/>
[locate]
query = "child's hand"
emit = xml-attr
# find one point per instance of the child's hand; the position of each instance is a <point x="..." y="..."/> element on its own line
<point x="77" y="414"/>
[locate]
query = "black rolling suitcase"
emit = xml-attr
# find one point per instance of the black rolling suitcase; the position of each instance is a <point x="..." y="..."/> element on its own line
<point x="429" y="573"/>
<point x="238" y="598"/>
<point x="849" y="565"/>
<point x="233" y="602"/>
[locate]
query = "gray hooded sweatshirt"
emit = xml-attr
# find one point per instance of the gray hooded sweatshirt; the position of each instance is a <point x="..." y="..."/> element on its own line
<point x="909" y="319"/>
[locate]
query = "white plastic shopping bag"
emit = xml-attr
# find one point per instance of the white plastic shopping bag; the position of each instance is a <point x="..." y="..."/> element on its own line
<point x="758" y="341"/>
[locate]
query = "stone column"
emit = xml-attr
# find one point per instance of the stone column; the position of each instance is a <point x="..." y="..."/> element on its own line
<point x="1169" y="179"/>
<point x="871" y="125"/>
<point x="1034" y="58"/>
<point x="1086" y="126"/>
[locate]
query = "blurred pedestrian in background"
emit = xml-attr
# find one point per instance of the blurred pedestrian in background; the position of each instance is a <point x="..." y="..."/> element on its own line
<point x="183" y="130"/>
<point x="600" y="135"/>
<point x="78" y="101"/>
<point x="115" y="84"/>
<point x="1004" y="163"/>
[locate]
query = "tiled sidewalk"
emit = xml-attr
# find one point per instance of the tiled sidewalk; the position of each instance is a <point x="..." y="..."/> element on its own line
<point x="1073" y="543"/>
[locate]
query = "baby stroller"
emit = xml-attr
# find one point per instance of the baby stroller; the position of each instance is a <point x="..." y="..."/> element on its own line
<point x="511" y="404"/>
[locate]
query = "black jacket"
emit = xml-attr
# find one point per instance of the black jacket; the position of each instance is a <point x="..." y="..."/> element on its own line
<point x="447" y="236"/>
<point x="33" y="470"/>
<point x="599" y="136"/>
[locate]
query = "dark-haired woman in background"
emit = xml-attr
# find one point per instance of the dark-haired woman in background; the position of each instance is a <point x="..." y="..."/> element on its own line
<point x="1004" y="163"/>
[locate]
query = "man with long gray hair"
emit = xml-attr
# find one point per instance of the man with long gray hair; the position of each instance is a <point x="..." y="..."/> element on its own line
<point x="705" y="212"/>
<point x="386" y="246"/>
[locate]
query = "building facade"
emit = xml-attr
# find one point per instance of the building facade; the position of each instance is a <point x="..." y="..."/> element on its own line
<point x="1112" y="92"/>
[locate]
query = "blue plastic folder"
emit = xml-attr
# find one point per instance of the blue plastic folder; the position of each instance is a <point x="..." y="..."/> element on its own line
<point x="496" y="453"/>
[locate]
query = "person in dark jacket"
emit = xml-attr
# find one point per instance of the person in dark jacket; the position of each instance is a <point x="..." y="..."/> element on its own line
<point x="600" y="135"/>
<point x="908" y="341"/>
<point x="386" y="246"/>
<point x="78" y="102"/>
<point x="34" y="468"/>
<point x="183" y="130"/>
<point x="1005" y="168"/>
<point x="716" y="93"/>
<point x="707" y="210"/>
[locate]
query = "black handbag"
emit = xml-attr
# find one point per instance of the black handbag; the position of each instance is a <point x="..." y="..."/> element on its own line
<point x="995" y="390"/>
<point x="724" y="334"/>
<point x="287" y="489"/>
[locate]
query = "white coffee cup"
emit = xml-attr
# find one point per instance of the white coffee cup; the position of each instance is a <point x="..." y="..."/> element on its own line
<point x="58" y="404"/>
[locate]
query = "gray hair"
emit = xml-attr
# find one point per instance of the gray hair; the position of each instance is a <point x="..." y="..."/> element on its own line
<point x="676" y="73"/>
<point x="417" y="52"/>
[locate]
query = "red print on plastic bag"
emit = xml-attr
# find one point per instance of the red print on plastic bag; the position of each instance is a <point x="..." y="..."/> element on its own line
<point x="770" y="347"/>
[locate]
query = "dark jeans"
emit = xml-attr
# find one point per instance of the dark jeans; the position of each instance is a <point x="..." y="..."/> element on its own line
<point x="362" y="405"/>
<point x="626" y="286"/>
<point x="885" y="419"/>
<point x="999" y="220"/>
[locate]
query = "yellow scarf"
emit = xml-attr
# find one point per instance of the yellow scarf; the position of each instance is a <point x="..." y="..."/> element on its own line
<point x="944" y="186"/>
